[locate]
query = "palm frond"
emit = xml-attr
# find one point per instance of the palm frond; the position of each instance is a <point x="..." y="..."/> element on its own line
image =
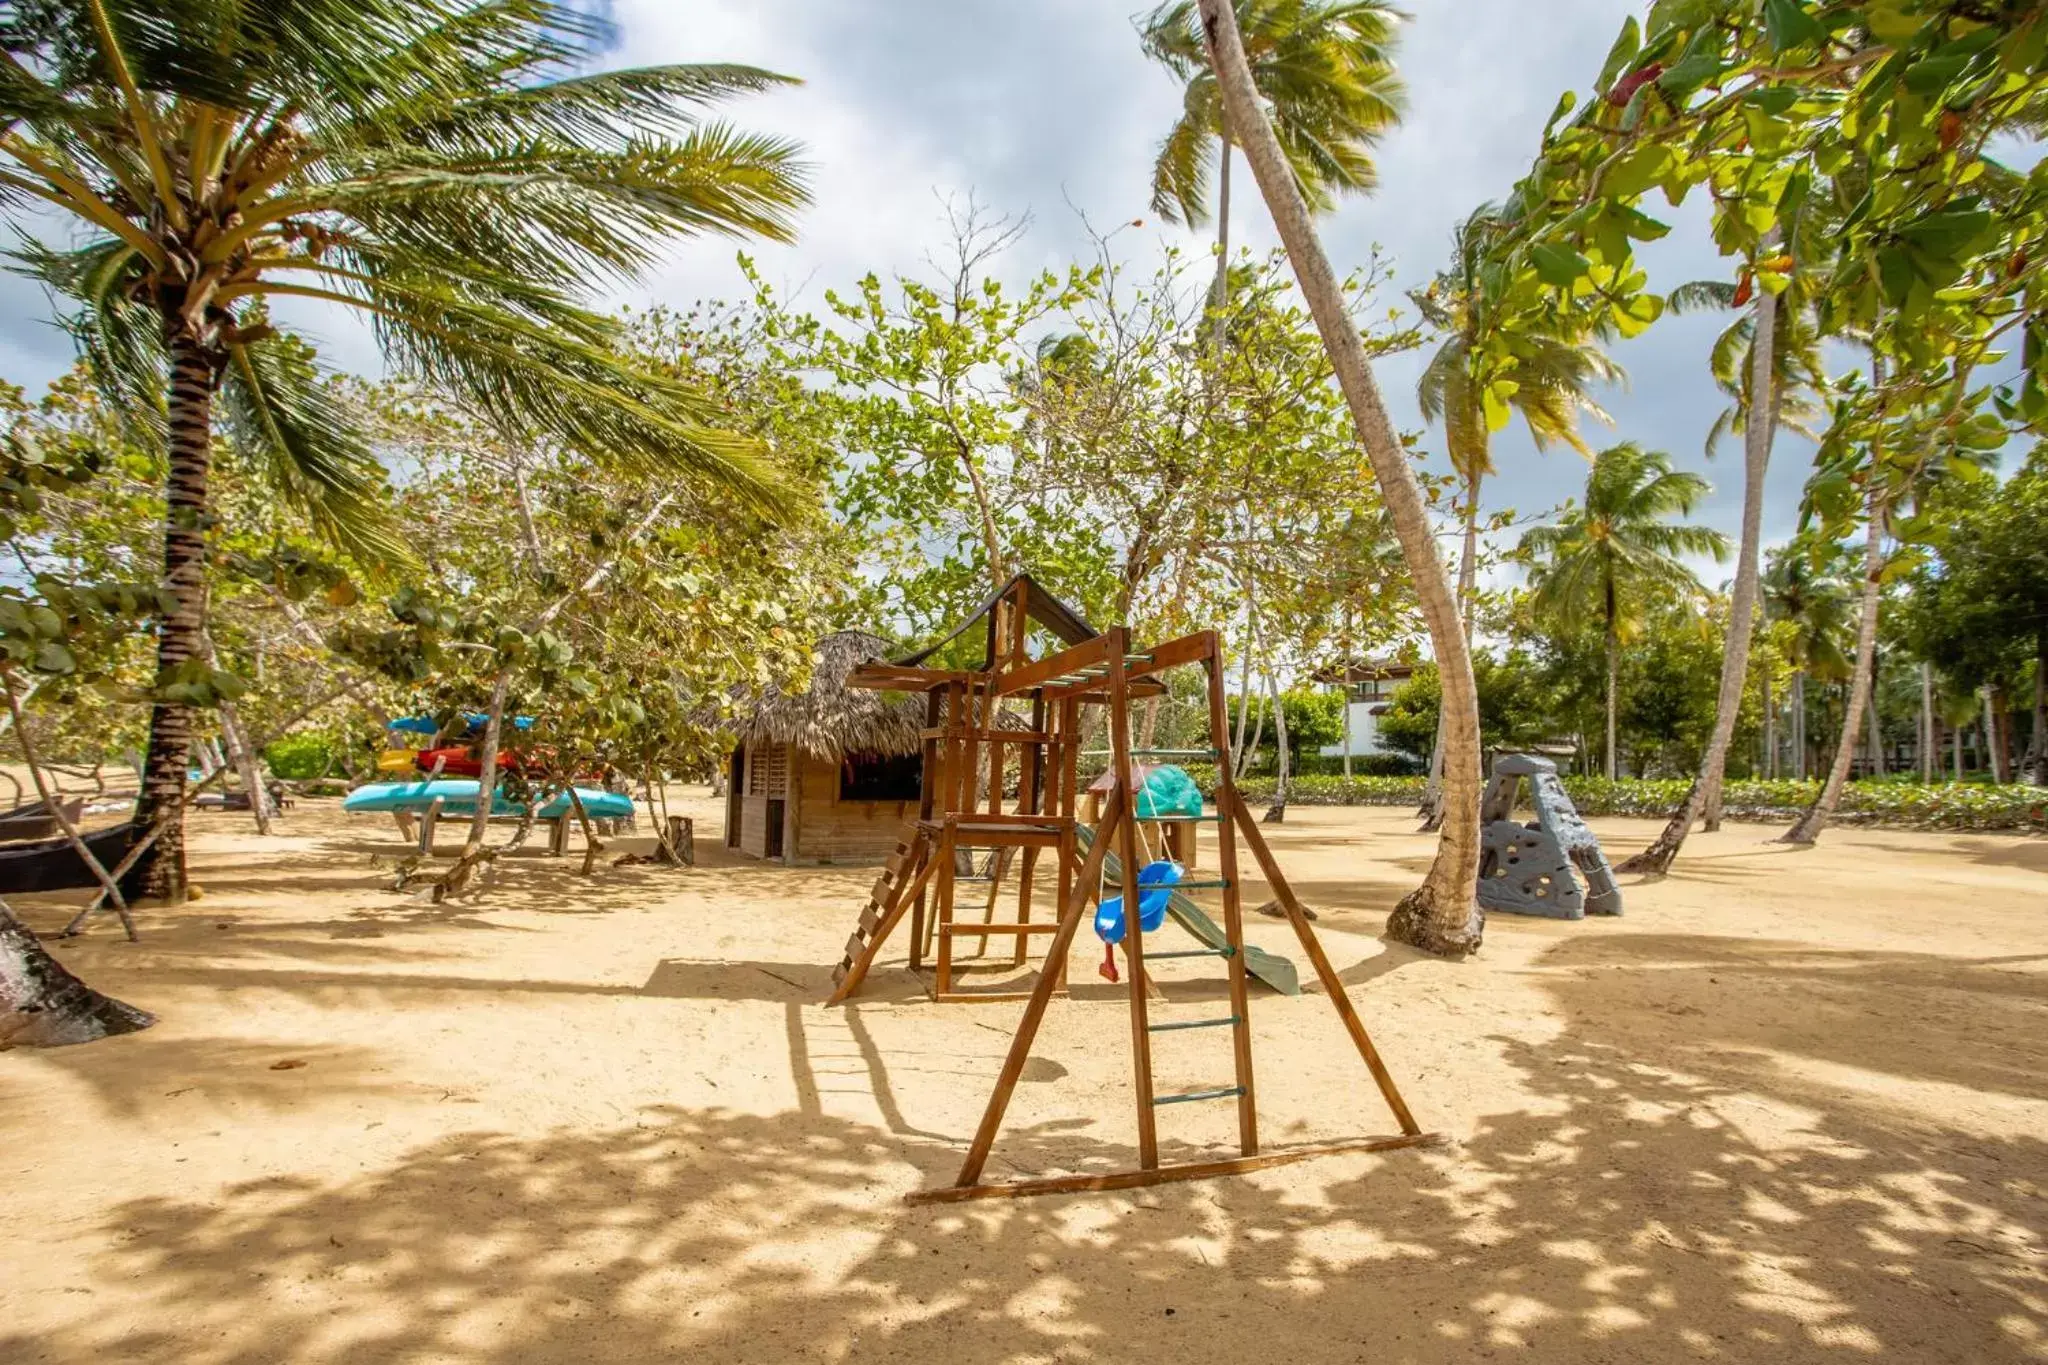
<point x="310" y="446"/>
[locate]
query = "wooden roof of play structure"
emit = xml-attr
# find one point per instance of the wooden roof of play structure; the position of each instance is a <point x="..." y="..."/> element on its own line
<point x="1007" y="633"/>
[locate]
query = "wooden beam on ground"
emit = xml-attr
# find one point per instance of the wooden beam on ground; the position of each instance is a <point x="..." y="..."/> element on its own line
<point x="1162" y="1175"/>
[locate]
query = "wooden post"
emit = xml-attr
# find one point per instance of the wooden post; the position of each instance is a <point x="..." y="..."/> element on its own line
<point x="429" y="818"/>
<point x="927" y="795"/>
<point x="1134" y="929"/>
<point x="1233" y="905"/>
<point x="944" y="896"/>
<point x="682" y="839"/>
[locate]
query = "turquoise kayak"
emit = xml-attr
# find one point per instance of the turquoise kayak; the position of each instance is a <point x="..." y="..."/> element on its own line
<point x="458" y="797"/>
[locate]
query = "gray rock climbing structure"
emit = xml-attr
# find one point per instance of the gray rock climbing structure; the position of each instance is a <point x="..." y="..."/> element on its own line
<point x="1526" y="869"/>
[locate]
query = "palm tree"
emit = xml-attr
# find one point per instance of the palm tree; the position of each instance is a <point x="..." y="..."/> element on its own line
<point x="1810" y="596"/>
<point x="1326" y="71"/>
<point x="1441" y="915"/>
<point x="1605" y="557"/>
<point x="1765" y="364"/>
<point x="440" y="166"/>
<point x="1485" y="340"/>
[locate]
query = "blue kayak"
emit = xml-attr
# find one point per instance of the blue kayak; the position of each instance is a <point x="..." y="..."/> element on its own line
<point x="458" y="797"/>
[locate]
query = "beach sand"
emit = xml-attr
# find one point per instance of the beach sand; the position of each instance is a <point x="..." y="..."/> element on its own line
<point x="1790" y="1107"/>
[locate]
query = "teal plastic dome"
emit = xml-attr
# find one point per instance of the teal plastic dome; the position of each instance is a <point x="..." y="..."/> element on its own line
<point x="1168" y="793"/>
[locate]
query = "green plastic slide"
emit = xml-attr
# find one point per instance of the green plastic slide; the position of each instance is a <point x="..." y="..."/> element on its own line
<point x="1277" y="972"/>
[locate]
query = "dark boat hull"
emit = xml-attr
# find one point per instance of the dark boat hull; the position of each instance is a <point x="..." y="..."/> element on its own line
<point x="54" y="865"/>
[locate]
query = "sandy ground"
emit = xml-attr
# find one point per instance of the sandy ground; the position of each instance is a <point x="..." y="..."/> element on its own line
<point x="1790" y="1108"/>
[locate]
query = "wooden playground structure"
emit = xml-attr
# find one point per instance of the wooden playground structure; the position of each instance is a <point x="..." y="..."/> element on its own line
<point x="968" y="741"/>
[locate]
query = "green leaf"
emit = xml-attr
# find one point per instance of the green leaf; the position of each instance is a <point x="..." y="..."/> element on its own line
<point x="1559" y="267"/>
<point x="1787" y="25"/>
<point x="1626" y="45"/>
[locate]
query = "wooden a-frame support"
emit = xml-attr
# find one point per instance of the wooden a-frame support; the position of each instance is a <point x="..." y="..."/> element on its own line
<point x="1118" y="822"/>
<point x="968" y="1185"/>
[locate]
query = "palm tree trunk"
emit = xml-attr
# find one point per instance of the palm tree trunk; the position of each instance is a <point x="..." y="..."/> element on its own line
<point x="1468" y="569"/>
<point x="1758" y="430"/>
<point x="1441" y="915"/>
<point x="179" y="630"/>
<point x="1989" y="729"/>
<point x="1930" y="743"/>
<point x="1613" y="690"/>
<point x="487" y="779"/>
<point x="1861" y="681"/>
<point x="1219" y="291"/>
<point x="1769" y="767"/>
<point x="1277" y="812"/>
<point x="1875" y="720"/>
<point x="2000" y="727"/>
<point x="43" y="1005"/>
<point x="2040" y="773"/>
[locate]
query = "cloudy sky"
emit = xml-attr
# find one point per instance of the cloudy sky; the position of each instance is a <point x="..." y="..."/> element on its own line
<point x="1043" y="107"/>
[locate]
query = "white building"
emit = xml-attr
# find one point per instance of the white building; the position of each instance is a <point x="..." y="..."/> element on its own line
<point x="1368" y="685"/>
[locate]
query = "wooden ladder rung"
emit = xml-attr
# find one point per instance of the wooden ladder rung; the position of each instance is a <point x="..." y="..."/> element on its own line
<point x="963" y="929"/>
<point x="1226" y="1021"/>
<point x="1221" y="1092"/>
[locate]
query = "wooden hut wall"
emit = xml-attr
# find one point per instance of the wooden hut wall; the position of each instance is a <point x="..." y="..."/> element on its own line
<point x="834" y="830"/>
<point x="818" y="825"/>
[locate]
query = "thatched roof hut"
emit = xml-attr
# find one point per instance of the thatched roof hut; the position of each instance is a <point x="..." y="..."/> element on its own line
<point x="830" y="719"/>
<point x="829" y="773"/>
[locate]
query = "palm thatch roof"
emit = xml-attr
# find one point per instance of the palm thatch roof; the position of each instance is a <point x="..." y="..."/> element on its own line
<point x="829" y="718"/>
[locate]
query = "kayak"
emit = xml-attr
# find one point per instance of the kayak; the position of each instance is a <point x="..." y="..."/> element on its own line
<point x="459" y="761"/>
<point x="458" y="797"/>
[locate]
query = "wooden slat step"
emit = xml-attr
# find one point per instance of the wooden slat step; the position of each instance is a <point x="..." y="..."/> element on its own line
<point x="879" y="892"/>
<point x="1221" y="1092"/>
<point x="869" y="918"/>
<point x="855" y="944"/>
<point x="1178" y="1024"/>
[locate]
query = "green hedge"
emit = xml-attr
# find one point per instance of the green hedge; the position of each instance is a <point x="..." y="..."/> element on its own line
<point x="1942" y="805"/>
<point x="300" y="757"/>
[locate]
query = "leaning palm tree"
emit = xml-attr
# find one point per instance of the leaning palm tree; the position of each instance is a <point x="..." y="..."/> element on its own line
<point x="444" y="167"/>
<point x="1485" y="340"/>
<point x="1326" y="70"/>
<point x="1605" y="558"/>
<point x="1767" y="365"/>
<point x="1442" y="915"/>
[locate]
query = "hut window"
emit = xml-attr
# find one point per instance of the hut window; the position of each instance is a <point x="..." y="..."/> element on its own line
<point x="768" y="770"/>
<point x="881" y="777"/>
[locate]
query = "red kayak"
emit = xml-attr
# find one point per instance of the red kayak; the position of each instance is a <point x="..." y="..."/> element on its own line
<point x="460" y="761"/>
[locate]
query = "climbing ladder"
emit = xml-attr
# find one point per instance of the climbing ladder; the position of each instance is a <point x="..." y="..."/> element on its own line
<point x="903" y="877"/>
